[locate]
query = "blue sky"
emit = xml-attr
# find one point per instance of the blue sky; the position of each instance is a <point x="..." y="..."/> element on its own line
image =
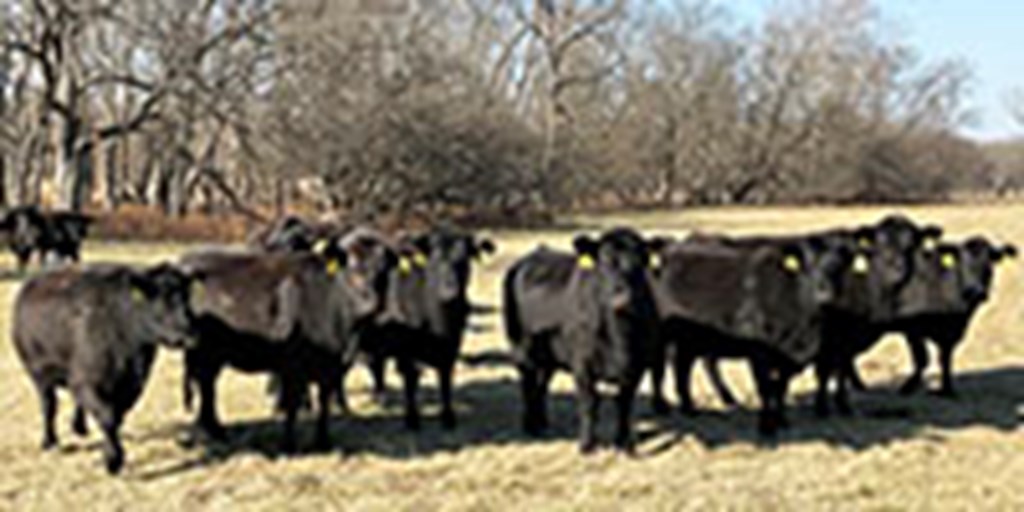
<point x="989" y="34"/>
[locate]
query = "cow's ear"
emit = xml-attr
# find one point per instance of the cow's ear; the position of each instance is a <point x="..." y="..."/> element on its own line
<point x="792" y="259"/>
<point x="931" y="232"/>
<point x="485" y="246"/>
<point x="1008" y="251"/>
<point x="865" y="237"/>
<point x="143" y="287"/>
<point x="585" y="245"/>
<point x="659" y="243"/>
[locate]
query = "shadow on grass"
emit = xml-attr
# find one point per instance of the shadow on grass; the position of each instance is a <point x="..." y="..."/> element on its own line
<point x="489" y="414"/>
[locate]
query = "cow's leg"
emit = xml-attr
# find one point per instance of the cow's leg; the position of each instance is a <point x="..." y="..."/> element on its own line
<point x="377" y="364"/>
<point x="767" y="420"/>
<point x="444" y="377"/>
<point x="109" y="421"/>
<point x="341" y="396"/>
<point x="946" y="349"/>
<point x="48" y="406"/>
<point x="919" y="356"/>
<point x="823" y="374"/>
<point x="853" y="378"/>
<point x="624" y="440"/>
<point x="543" y="383"/>
<point x="207" y="419"/>
<point x="658" y="402"/>
<point x="714" y="371"/>
<point x="292" y="389"/>
<point x="23" y="260"/>
<point x="684" y="362"/>
<point x="843" y="383"/>
<point x="79" y="423"/>
<point x="324" y="389"/>
<point x="411" y="381"/>
<point x="528" y="387"/>
<point x="781" y="386"/>
<point x="587" y="403"/>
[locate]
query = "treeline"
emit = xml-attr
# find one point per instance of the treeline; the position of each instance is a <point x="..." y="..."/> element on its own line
<point x="492" y="109"/>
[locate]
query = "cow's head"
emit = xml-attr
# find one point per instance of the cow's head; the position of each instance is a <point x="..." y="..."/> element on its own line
<point x="621" y="259"/>
<point x="75" y="225"/>
<point x="367" y="261"/>
<point x="977" y="259"/>
<point x="290" y="234"/>
<point x="892" y="245"/>
<point x="447" y="258"/>
<point x="160" y="304"/>
<point x="25" y="226"/>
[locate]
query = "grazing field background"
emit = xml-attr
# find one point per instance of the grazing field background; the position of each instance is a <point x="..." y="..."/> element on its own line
<point x="898" y="453"/>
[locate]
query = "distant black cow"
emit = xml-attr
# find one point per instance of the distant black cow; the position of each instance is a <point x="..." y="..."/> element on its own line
<point x="293" y="315"/>
<point x="425" y="314"/>
<point x="95" y="332"/>
<point x="57" y="233"/>
<point x="591" y="313"/>
<point x="293" y="234"/>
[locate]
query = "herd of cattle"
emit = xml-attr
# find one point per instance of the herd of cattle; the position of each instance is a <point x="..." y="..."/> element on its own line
<point x="306" y="303"/>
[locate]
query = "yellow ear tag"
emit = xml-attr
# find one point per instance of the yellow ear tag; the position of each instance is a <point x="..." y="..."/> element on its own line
<point x="586" y="262"/>
<point x="654" y="260"/>
<point x="419" y="259"/>
<point x="864" y="243"/>
<point x="404" y="265"/>
<point x="791" y="264"/>
<point x="137" y="296"/>
<point x="321" y="245"/>
<point x="198" y="290"/>
<point x="861" y="265"/>
<point x="333" y="266"/>
<point x="948" y="261"/>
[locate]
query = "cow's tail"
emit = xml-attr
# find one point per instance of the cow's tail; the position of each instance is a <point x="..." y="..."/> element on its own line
<point x="510" y="308"/>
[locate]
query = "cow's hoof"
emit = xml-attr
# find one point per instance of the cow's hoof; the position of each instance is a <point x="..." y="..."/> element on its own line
<point x="412" y="423"/>
<point x="48" y="444"/>
<point x="626" y="447"/>
<point x="322" y="443"/>
<point x="910" y="387"/>
<point x="687" y="411"/>
<point x="448" y="420"/>
<point x="215" y="433"/>
<point x="660" y="407"/>
<point x="114" y="463"/>
<point x="588" y="447"/>
<point x="821" y="408"/>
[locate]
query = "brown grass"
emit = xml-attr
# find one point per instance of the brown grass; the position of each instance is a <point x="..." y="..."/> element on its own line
<point x="918" y="453"/>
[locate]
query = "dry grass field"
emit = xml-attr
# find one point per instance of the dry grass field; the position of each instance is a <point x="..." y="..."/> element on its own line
<point x="919" y="453"/>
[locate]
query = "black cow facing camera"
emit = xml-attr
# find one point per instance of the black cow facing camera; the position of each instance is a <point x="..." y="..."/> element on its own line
<point x="591" y="313"/>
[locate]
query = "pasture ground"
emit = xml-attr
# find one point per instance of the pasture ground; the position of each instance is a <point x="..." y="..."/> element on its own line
<point x="919" y="453"/>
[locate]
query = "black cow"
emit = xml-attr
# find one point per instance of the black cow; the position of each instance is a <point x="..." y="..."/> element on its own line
<point x="763" y="305"/>
<point x="968" y="267"/>
<point x="425" y="315"/>
<point x="948" y="285"/>
<point x="865" y="293"/>
<point x="95" y="331"/>
<point x="293" y="315"/>
<point x="30" y="230"/>
<point x="591" y="313"/>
